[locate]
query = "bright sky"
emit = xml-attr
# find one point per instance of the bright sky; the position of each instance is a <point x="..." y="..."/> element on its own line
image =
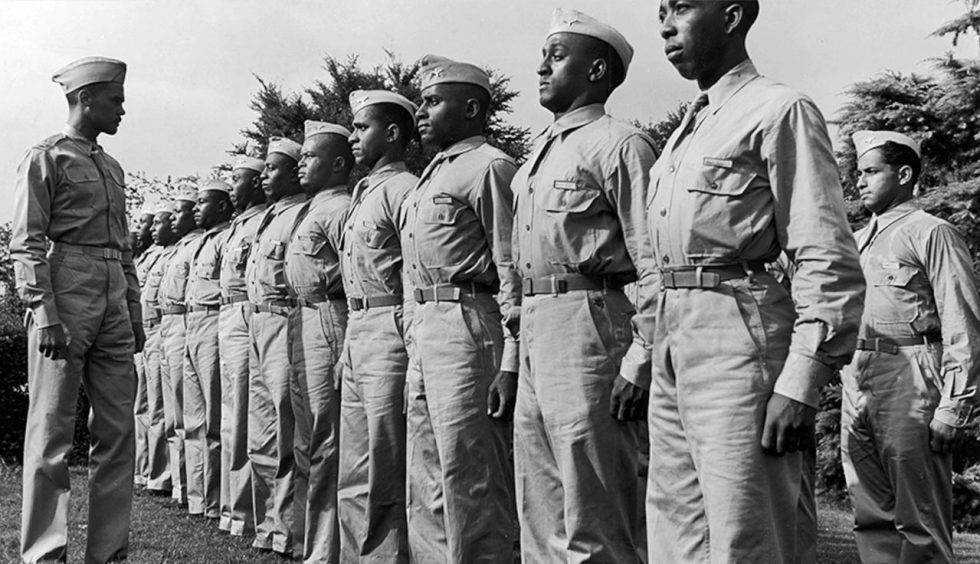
<point x="191" y="63"/>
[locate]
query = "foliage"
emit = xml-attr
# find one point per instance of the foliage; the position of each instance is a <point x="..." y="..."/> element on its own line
<point x="661" y="130"/>
<point x="282" y="114"/>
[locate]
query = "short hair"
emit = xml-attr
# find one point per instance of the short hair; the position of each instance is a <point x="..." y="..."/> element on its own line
<point x="388" y="113"/>
<point x="482" y="96"/>
<point x="898" y="155"/>
<point x="750" y="11"/>
<point x="93" y="89"/>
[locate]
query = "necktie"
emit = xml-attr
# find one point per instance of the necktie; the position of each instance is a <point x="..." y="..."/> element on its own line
<point x="696" y="106"/>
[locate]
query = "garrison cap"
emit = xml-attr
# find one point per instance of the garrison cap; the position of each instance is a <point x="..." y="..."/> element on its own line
<point x="866" y="140"/>
<point x="440" y="70"/>
<point x="89" y="70"/>
<point x="286" y="147"/>
<point x="360" y="99"/>
<point x="572" y="21"/>
<point x="186" y="193"/>
<point x="251" y="163"/>
<point x="149" y="207"/>
<point x="163" y="205"/>
<point x="215" y="185"/>
<point x="311" y="128"/>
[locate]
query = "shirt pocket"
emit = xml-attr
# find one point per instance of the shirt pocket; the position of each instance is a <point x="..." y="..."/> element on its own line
<point x="444" y="210"/>
<point x="207" y="270"/>
<point x="82" y="190"/>
<point x="892" y="297"/>
<point x="375" y="236"/>
<point x="721" y="177"/>
<point x="573" y="195"/>
<point x="307" y="245"/>
<point x="274" y="250"/>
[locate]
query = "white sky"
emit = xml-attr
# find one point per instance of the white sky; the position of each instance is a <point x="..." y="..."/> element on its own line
<point x="191" y="63"/>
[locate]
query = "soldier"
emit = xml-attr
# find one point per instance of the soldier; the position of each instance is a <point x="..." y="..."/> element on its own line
<point x="579" y="237"/>
<point x="738" y="362"/>
<point x="173" y="336"/>
<point x="271" y="423"/>
<point x="371" y="492"/>
<point x="161" y="416"/>
<point x="202" y="371"/>
<point x="456" y="234"/>
<point x="143" y="253"/>
<point x="83" y="319"/>
<point x="316" y="334"/>
<point x="912" y="385"/>
<point x="233" y="331"/>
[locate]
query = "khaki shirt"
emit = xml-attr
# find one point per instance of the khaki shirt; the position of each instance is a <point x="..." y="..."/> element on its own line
<point x="752" y="175"/>
<point x="457" y="226"/>
<point x="921" y="282"/>
<point x="265" y="275"/>
<point x="155" y="270"/>
<point x="371" y="261"/>
<point x="142" y="263"/>
<point x="203" y="284"/>
<point x="313" y="258"/>
<point x="238" y="245"/>
<point x="173" y="287"/>
<point x="578" y="207"/>
<point x="69" y="191"/>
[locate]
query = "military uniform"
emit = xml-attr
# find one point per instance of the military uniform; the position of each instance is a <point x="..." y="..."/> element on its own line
<point x="158" y="464"/>
<point x="456" y="240"/>
<point x="71" y="193"/>
<point x="202" y="374"/>
<point x="316" y="335"/>
<point x="173" y="339"/>
<point x="271" y="424"/>
<point x="372" y="422"/>
<point x="917" y="359"/>
<point x="141" y="407"/>
<point x="233" y="331"/>
<point x="749" y="172"/>
<point x="578" y="234"/>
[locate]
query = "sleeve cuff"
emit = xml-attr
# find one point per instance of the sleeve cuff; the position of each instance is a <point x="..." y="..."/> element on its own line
<point x="510" y="361"/>
<point x="954" y="413"/>
<point x="135" y="312"/>
<point x="801" y="379"/>
<point x="45" y="315"/>
<point x="637" y="366"/>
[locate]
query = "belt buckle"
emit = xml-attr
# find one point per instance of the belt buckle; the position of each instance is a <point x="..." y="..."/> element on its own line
<point x="527" y="286"/>
<point x="883" y="346"/>
<point x="667" y="280"/>
<point x="357" y="304"/>
<point x="111" y="254"/>
<point x="419" y="295"/>
<point x="558" y="285"/>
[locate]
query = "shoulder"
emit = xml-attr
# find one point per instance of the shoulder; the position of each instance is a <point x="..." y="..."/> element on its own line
<point x="50" y="142"/>
<point x="780" y="100"/>
<point x="491" y="157"/>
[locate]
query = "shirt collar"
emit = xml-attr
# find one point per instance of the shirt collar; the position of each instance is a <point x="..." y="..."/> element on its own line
<point x="328" y="194"/>
<point x="390" y="168"/>
<point x="375" y="178"/>
<point x="289" y="200"/>
<point x="729" y="84"/>
<point x="251" y="212"/>
<point x="76" y="135"/>
<point x="893" y="214"/>
<point x="463" y="146"/>
<point x="575" y="119"/>
<point x="218" y="227"/>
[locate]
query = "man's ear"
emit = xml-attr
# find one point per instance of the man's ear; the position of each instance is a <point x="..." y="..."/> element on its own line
<point x="472" y="108"/>
<point x="904" y="174"/>
<point x="392" y="133"/>
<point x="734" y="14"/>
<point x="598" y="70"/>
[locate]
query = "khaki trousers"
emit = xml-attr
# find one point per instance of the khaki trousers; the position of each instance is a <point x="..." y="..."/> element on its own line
<point x="202" y="414"/>
<point x="316" y="335"/>
<point x="578" y="493"/>
<point x="236" y="472"/>
<point x="173" y="332"/>
<point x="90" y="296"/>
<point x="460" y="484"/>
<point x="158" y="463"/>
<point x="371" y="493"/>
<point x="141" y="415"/>
<point x="271" y="428"/>
<point x="713" y="495"/>
<point x="901" y="491"/>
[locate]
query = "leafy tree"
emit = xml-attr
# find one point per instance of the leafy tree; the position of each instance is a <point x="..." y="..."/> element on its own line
<point x="282" y="114"/>
<point x="661" y="130"/>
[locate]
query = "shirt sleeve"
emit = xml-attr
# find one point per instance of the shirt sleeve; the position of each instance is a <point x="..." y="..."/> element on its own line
<point x="33" y="193"/>
<point x="626" y="189"/>
<point x="811" y="224"/>
<point x="950" y="272"/>
<point x="494" y="207"/>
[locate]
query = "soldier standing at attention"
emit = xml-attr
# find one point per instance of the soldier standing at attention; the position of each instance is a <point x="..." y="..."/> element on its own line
<point x="912" y="385"/>
<point x="143" y="254"/>
<point x="738" y="361"/>
<point x="456" y="235"/>
<point x="161" y="415"/>
<point x="316" y="334"/>
<point x="233" y="330"/>
<point x="372" y="421"/>
<point x="579" y="237"/>
<point x="84" y="322"/>
<point x="271" y="425"/>
<point x="202" y="371"/>
<point x="173" y="334"/>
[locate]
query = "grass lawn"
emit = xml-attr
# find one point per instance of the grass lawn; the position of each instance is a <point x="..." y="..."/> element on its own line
<point x="163" y="533"/>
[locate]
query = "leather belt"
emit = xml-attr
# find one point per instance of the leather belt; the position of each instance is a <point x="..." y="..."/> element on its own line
<point x="313" y="301"/>
<point x="173" y="310"/>
<point x="707" y="276"/>
<point x="449" y="292"/>
<point x="234" y="299"/>
<point x="564" y="283"/>
<point x="279" y="307"/>
<point x="368" y="302"/>
<point x="151" y="323"/>
<point x="892" y="344"/>
<point x="197" y="308"/>
<point x="90" y="250"/>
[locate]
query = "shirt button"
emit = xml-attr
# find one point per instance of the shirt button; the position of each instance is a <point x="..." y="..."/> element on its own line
<point x="527" y="227"/>
<point x="528" y="265"/>
<point x="663" y="212"/>
<point x="671" y="169"/>
<point x="666" y="259"/>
